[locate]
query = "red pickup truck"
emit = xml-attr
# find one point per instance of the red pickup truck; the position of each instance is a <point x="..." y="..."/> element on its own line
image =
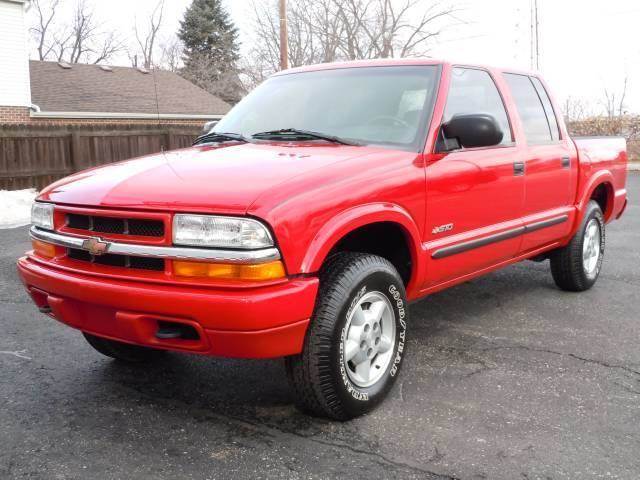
<point x="304" y="222"/>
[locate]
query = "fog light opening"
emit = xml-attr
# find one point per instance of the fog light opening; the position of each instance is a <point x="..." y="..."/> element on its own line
<point x="176" y="331"/>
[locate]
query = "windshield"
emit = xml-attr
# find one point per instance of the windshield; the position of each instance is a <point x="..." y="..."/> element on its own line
<point x="386" y="106"/>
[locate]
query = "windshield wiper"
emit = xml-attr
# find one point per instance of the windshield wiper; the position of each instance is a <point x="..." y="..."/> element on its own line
<point x="297" y="133"/>
<point x="213" y="137"/>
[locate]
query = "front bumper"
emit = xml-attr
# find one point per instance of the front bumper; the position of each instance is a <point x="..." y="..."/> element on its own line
<point x="261" y="322"/>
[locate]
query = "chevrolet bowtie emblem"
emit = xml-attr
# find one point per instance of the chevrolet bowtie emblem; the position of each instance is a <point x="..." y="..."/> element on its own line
<point x="95" y="246"/>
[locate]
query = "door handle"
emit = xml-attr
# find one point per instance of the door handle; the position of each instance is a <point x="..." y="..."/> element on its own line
<point x="566" y="162"/>
<point x="518" y="168"/>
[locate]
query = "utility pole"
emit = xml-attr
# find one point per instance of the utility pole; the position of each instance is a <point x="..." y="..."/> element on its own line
<point x="284" y="46"/>
<point x="535" y="36"/>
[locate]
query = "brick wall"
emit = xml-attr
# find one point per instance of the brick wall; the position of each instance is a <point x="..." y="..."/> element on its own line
<point x="14" y="115"/>
<point x="21" y="115"/>
<point x="112" y="121"/>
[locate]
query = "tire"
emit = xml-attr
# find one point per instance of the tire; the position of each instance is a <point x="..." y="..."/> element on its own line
<point x="123" y="352"/>
<point x="361" y="299"/>
<point x="574" y="267"/>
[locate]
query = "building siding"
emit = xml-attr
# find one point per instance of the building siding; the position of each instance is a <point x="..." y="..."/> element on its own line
<point x="14" y="58"/>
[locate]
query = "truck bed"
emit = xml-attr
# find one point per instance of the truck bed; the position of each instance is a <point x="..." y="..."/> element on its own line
<point x="604" y="156"/>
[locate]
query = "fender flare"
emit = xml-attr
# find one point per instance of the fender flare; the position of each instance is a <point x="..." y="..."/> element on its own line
<point x="353" y="218"/>
<point x="602" y="177"/>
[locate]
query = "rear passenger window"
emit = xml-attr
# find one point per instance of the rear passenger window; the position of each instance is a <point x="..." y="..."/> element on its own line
<point x="473" y="91"/>
<point x="548" y="108"/>
<point x="536" y="124"/>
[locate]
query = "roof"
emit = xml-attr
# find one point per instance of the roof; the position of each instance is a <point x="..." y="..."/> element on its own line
<point x="377" y="62"/>
<point x="118" y="90"/>
<point x="390" y="62"/>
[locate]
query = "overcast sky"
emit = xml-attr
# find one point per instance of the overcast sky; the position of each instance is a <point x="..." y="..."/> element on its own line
<point x="586" y="45"/>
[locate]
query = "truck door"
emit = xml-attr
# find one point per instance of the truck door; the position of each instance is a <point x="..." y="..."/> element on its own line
<point x="548" y="161"/>
<point x="474" y="199"/>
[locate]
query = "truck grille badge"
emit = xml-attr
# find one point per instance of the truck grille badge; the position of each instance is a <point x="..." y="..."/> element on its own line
<point x="95" y="246"/>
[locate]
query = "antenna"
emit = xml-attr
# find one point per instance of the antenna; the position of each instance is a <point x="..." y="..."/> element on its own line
<point x="155" y="88"/>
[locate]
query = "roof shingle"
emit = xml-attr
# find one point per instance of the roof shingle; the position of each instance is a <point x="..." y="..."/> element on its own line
<point x="89" y="88"/>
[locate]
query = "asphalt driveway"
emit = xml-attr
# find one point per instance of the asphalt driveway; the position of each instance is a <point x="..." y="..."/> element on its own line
<point x="505" y="377"/>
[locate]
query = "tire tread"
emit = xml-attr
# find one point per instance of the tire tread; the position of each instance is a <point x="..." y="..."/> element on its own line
<point x="309" y="374"/>
<point x="566" y="262"/>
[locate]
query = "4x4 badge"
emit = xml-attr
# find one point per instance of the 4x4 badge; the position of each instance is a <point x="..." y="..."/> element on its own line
<point x="442" y="228"/>
<point x="95" y="246"/>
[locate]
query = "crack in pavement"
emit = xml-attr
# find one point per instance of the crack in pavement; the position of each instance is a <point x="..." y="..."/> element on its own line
<point x="628" y="389"/>
<point x="379" y="456"/>
<point x="602" y="363"/>
<point x="273" y="430"/>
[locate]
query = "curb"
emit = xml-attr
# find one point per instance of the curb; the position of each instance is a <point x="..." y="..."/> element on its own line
<point x="634" y="167"/>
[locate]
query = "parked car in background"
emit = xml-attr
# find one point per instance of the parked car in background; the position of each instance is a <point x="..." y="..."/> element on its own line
<point x="304" y="222"/>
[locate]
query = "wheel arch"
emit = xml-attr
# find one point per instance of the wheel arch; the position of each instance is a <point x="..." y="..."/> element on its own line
<point x="599" y="188"/>
<point x="355" y="219"/>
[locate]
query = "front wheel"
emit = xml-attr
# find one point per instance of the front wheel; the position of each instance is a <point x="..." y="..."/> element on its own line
<point x="576" y="267"/>
<point x="355" y="343"/>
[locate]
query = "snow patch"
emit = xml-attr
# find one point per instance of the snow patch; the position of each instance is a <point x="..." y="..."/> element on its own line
<point x="15" y="207"/>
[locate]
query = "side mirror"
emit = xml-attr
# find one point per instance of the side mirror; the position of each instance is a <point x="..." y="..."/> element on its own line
<point x="208" y="127"/>
<point x="473" y="130"/>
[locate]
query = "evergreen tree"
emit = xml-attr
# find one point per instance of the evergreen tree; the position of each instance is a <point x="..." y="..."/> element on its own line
<point x="211" y="49"/>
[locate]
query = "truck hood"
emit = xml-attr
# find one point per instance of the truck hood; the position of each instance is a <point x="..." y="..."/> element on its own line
<point x="221" y="179"/>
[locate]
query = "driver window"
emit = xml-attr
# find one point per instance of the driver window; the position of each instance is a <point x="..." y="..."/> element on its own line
<point x="473" y="91"/>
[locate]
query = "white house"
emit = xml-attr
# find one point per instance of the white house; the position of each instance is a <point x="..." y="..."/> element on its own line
<point x="15" y="92"/>
<point x="56" y="92"/>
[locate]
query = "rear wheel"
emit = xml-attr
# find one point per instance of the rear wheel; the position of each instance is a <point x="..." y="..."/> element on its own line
<point x="355" y="343"/>
<point x="123" y="351"/>
<point x="576" y="267"/>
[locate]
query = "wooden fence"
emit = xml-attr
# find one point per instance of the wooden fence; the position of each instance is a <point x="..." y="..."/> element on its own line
<point x="34" y="156"/>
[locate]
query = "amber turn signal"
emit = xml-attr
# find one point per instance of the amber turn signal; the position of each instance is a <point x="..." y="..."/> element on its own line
<point x="43" y="249"/>
<point x="229" y="271"/>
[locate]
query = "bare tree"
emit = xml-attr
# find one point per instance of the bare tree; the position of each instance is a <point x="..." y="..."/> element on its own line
<point x="614" y="102"/>
<point x="331" y="30"/>
<point x="575" y="109"/>
<point x="146" y="41"/>
<point x="83" y="39"/>
<point x="41" y="29"/>
<point x="171" y="50"/>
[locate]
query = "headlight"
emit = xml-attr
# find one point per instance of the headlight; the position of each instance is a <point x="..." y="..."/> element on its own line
<point x="220" y="232"/>
<point x="42" y="215"/>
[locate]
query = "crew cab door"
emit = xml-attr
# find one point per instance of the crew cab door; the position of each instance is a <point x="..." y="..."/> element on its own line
<point x="548" y="163"/>
<point x="474" y="197"/>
